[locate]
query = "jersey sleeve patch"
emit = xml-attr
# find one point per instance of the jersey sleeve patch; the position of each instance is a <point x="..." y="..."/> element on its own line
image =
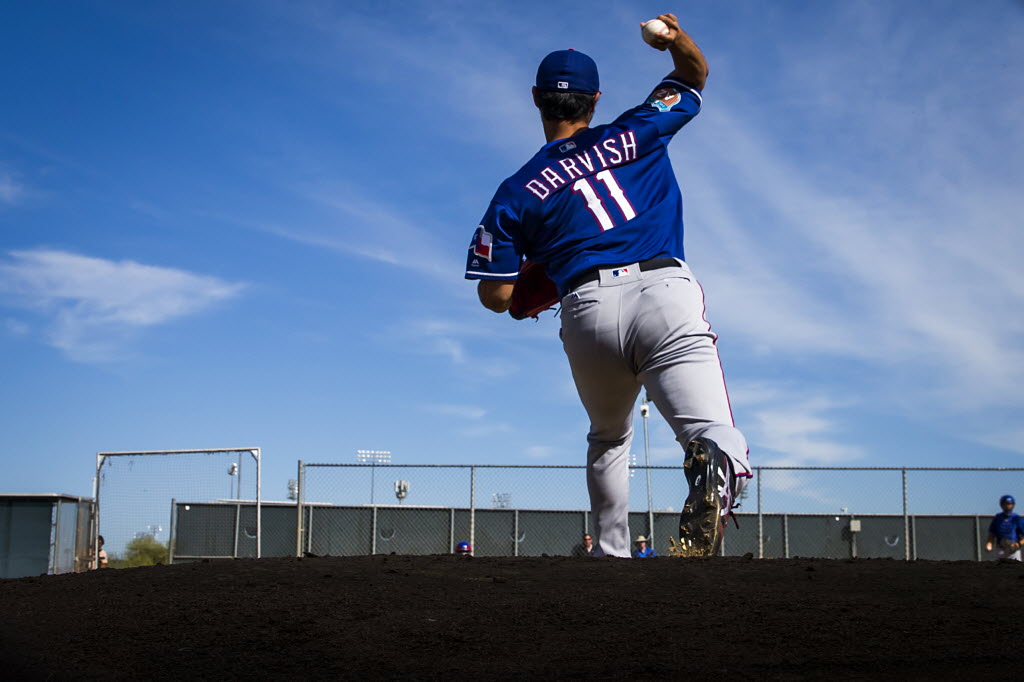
<point x="483" y="243"/>
<point x="664" y="98"/>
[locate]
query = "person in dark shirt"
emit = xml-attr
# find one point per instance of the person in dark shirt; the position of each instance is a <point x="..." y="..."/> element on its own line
<point x="1006" y="531"/>
<point x="585" y="548"/>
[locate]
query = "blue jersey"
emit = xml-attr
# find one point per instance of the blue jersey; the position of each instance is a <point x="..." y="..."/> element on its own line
<point x="1006" y="526"/>
<point x="606" y="196"/>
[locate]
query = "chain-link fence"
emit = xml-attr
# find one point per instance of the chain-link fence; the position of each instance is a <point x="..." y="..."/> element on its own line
<point x="137" y="496"/>
<point x="825" y="512"/>
<point x="829" y="512"/>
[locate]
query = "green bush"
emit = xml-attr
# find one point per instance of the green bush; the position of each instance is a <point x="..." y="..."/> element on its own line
<point x="142" y="551"/>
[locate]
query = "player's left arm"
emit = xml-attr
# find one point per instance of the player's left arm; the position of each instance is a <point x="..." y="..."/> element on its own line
<point x="494" y="258"/>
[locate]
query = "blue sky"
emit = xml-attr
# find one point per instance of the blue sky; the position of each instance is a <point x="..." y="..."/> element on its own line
<point x="244" y="223"/>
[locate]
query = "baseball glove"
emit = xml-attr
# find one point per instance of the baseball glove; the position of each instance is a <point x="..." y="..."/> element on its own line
<point x="533" y="293"/>
<point x="1008" y="545"/>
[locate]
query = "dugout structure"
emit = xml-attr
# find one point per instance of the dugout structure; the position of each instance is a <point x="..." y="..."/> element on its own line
<point x="135" y="491"/>
<point x="44" y="534"/>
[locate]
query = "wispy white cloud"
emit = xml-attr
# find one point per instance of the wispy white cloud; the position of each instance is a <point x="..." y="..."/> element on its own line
<point x="1005" y="437"/>
<point x="921" y="273"/>
<point x="11" y="191"/>
<point x="93" y="305"/>
<point x="360" y="225"/>
<point x="461" y="411"/>
<point x="486" y="430"/>
<point x="540" y="451"/>
<point x="373" y="217"/>
<point x="16" y="327"/>
<point x="466" y="76"/>
<point x="793" y="426"/>
<point x="457" y="340"/>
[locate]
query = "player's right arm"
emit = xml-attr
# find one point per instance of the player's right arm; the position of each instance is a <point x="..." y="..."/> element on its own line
<point x="677" y="98"/>
<point x="494" y="257"/>
<point x="690" y="66"/>
<point x="495" y="295"/>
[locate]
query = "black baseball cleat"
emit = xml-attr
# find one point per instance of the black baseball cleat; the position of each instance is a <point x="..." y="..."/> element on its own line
<point x="701" y="525"/>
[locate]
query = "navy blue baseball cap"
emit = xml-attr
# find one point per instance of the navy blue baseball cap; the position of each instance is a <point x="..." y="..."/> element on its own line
<point x="568" y="71"/>
<point x="1007" y="498"/>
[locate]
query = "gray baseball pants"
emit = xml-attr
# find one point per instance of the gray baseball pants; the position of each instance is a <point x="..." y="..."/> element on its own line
<point x="634" y="329"/>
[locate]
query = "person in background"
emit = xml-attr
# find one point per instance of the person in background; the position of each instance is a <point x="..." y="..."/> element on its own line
<point x="101" y="559"/>
<point x="464" y="549"/>
<point x="1006" y="531"/>
<point x="642" y="550"/>
<point x="585" y="548"/>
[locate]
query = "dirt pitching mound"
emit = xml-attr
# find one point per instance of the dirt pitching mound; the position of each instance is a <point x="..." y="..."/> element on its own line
<point x="440" y="616"/>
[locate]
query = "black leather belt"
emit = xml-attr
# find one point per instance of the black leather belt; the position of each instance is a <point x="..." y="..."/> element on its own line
<point x="645" y="266"/>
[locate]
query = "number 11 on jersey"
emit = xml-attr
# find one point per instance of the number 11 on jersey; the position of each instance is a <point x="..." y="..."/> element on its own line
<point x="596" y="206"/>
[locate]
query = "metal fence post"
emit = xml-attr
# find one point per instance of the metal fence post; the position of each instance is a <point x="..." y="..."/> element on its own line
<point x="95" y="540"/>
<point x="515" y="530"/>
<point x="760" y="517"/>
<point x="853" y="537"/>
<point x="170" y="533"/>
<point x="309" y="529"/>
<point x="472" y="508"/>
<point x="238" y="527"/>
<point x="785" y="535"/>
<point x="259" y="502"/>
<point x="373" y="531"/>
<point x="451" y="530"/>
<point x="906" y="522"/>
<point x="298" y="511"/>
<point x="55" y="533"/>
<point x="977" y="537"/>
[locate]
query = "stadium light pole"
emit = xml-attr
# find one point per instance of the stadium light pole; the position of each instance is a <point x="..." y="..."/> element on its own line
<point x="374" y="457"/>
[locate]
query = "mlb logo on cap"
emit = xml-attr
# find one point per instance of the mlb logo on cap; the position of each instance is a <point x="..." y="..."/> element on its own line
<point x="568" y="71"/>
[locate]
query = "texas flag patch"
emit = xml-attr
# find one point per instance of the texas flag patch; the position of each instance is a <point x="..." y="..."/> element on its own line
<point x="482" y="243"/>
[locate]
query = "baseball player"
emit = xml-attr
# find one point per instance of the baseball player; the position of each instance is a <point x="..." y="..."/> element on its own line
<point x="1006" y="531"/>
<point x="601" y="209"/>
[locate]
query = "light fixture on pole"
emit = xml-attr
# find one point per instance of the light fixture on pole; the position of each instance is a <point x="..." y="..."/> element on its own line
<point x="232" y="472"/>
<point x="373" y="457"/>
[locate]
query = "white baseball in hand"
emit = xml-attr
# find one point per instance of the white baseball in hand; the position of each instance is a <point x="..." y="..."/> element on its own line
<point x="653" y="28"/>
